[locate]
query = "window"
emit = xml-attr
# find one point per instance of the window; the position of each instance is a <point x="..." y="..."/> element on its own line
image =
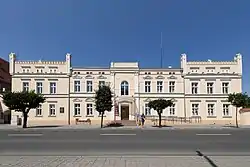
<point x="147" y="86"/>
<point x="210" y="86"/>
<point x="52" y="86"/>
<point x="226" y="110"/>
<point x="225" y="87"/>
<point x="101" y="83"/>
<point x="52" y="110"/>
<point x="39" y="87"/>
<point x="61" y="110"/>
<point x="77" y="86"/>
<point x="77" y="109"/>
<point x="89" y="86"/>
<point x="159" y="86"/>
<point x="172" y="110"/>
<point x="26" y="86"/>
<point x="195" y="109"/>
<point x="89" y="109"/>
<point x="210" y="110"/>
<point x="124" y="88"/>
<point x="171" y="86"/>
<point x="147" y="109"/>
<point x="194" y="87"/>
<point x="39" y="110"/>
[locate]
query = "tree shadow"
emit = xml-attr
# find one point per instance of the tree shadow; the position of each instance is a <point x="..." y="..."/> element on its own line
<point x="230" y="126"/>
<point x="163" y="126"/>
<point x="114" y="124"/>
<point x="45" y="126"/>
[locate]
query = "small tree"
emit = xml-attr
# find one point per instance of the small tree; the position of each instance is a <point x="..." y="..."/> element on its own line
<point x="22" y="102"/>
<point x="238" y="100"/>
<point x="103" y="100"/>
<point x="159" y="105"/>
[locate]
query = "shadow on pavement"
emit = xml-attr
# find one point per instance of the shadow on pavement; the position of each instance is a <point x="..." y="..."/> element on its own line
<point x="114" y="124"/>
<point x="48" y="126"/>
<point x="163" y="126"/>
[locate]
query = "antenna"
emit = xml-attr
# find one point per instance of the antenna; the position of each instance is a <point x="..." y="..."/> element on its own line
<point x="161" y="52"/>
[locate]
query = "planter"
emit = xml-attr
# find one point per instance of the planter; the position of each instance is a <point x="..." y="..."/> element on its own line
<point x="244" y="116"/>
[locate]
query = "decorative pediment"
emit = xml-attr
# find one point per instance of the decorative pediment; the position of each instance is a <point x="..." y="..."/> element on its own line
<point x="172" y="77"/>
<point x="90" y="99"/>
<point x="160" y="77"/>
<point x="147" y="77"/>
<point x="101" y="77"/>
<point x="77" y="77"/>
<point x="77" y="100"/>
<point x="147" y="100"/>
<point x="89" y="77"/>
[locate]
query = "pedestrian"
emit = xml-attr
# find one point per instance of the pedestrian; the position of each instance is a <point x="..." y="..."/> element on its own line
<point x="142" y="120"/>
<point x="138" y="119"/>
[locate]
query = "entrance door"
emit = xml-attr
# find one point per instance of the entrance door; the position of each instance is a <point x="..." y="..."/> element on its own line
<point x="124" y="112"/>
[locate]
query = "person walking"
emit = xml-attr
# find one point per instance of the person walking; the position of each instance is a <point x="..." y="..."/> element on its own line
<point x="142" y="120"/>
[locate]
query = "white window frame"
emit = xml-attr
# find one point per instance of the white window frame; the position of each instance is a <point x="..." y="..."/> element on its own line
<point x="89" y="86"/>
<point x="77" y="86"/>
<point x="171" y="86"/>
<point x="39" y="111"/>
<point x="226" y="109"/>
<point x="52" y="110"/>
<point x="211" y="109"/>
<point x="195" y="109"/>
<point x="225" y="87"/>
<point x="172" y="110"/>
<point x="39" y="87"/>
<point x="26" y="86"/>
<point x="52" y="87"/>
<point x="147" y="110"/>
<point x="210" y="87"/>
<point x="124" y="86"/>
<point x="147" y="86"/>
<point x="194" y="87"/>
<point x="89" y="109"/>
<point x="159" y="86"/>
<point x="77" y="109"/>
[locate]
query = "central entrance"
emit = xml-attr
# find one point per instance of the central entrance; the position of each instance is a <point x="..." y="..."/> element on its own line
<point x="125" y="112"/>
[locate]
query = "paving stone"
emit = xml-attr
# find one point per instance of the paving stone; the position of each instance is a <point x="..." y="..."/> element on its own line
<point x="231" y="161"/>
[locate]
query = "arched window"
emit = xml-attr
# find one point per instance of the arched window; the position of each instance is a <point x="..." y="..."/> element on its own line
<point x="124" y="88"/>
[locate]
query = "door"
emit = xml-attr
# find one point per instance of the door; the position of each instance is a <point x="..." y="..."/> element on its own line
<point x="124" y="112"/>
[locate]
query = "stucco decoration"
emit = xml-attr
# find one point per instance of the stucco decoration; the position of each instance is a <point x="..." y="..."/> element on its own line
<point x="90" y="100"/>
<point x="101" y="77"/>
<point x="172" y="77"/>
<point x="147" y="100"/>
<point x="77" y="100"/>
<point x="77" y="77"/>
<point x="160" y="77"/>
<point x="147" y="77"/>
<point x="89" y="77"/>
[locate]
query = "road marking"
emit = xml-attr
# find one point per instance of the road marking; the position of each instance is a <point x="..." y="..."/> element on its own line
<point x="117" y="134"/>
<point x="24" y="135"/>
<point x="216" y="134"/>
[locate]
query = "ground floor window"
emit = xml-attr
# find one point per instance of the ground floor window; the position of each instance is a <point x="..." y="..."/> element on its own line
<point x="89" y="109"/>
<point x="147" y="110"/>
<point x="52" y="110"/>
<point x="195" y="109"/>
<point x="226" y="110"/>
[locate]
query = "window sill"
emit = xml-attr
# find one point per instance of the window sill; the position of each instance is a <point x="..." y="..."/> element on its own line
<point x="89" y="115"/>
<point x="38" y="116"/>
<point x="76" y="115"/>
<point x="101" y="116"/>
<point x="227" y="117"/>
<point x="211" y="116"/>
<point x="52" y="116"/>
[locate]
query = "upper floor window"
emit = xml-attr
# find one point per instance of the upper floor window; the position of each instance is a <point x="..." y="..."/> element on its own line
<point x="225" y="87"/>
<point x="89" y="86"/>
<point x="171" y="86"/>
<point x="101" y="83"/>
<point x="26" y="86"/>
<point x="39" y="87"/>
<point x="124" y="88"/>
<point x="210" y="88"/>
<point x="159" y="86"/>
<point x="147" y="86"/>
<point x="194" y="87"/>
<point x="52" y="87"/>
<point x="77" y="86"/>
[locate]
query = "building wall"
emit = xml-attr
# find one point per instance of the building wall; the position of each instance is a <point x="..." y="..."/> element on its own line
<point x="76" y="89"/>
<point x="5" y="78"/>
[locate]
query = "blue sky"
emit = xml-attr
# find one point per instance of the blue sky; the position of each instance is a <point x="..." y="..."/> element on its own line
<point x="97" y="32"/>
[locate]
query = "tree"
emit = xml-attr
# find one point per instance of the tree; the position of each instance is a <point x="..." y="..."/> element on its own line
<point x="22" y="102"/>
<point x="238" y="100"/>
<point x="159" y="105"/>
<point x="103" y="100"/>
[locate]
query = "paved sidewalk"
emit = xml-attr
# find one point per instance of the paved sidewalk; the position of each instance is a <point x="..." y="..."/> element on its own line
<point x="80" y="161"/>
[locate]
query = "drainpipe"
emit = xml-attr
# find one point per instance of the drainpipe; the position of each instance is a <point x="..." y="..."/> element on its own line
<point x="184" y="89"/>
<point x="69" y="101"/>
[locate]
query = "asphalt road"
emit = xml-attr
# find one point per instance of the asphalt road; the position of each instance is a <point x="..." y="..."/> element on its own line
<point x="125" y="142"/>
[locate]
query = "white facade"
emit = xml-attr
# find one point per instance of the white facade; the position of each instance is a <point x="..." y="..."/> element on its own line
<point x="199" y="89"/>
